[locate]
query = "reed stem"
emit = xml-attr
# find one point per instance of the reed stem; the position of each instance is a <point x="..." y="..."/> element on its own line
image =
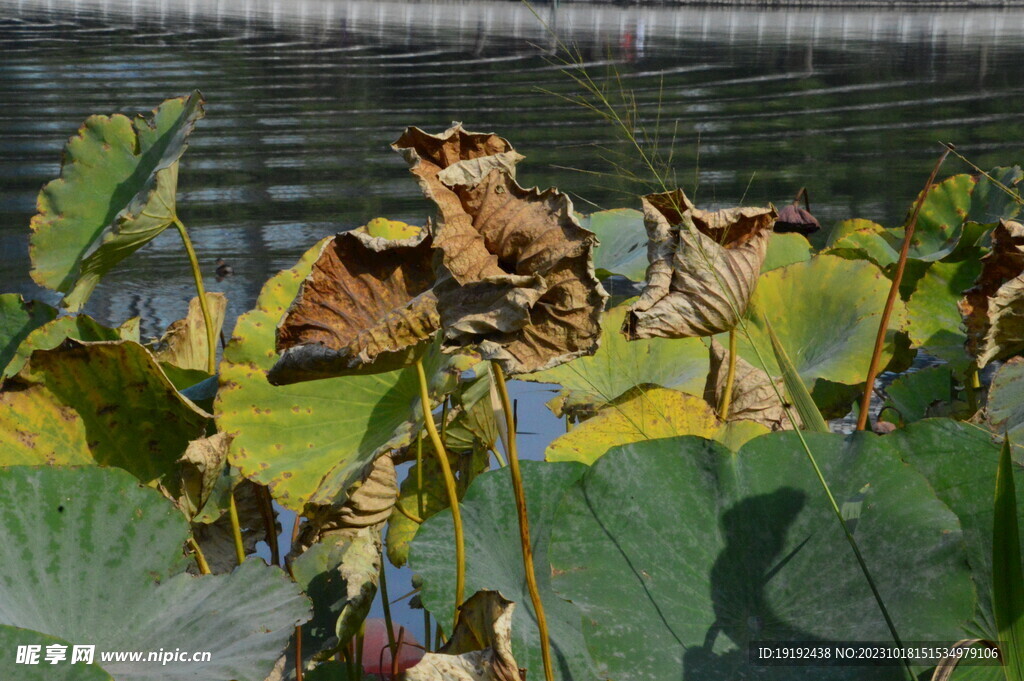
<point x="894" y="290"/>
<point x="730" y="378"/>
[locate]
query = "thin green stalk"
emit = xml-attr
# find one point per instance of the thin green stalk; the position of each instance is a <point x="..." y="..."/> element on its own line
<point x="204" y="567"/>
<point x="524" y="521"/>
<point x="426" y="631"/>
<point x="497" y="455"/>
<point x="449" y="485"/>
<point x="211" y="336"/>
<point x="971" y="386"/>
<point x="894" y="290"/>
<point x="730" y="378"/>
<point x="419" y="474"/>
<point x="236" y="529"/>
<point x="298" y="653"/>
<point x="388" y="624"/>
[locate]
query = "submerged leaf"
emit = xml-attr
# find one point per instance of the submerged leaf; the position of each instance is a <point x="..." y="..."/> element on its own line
<point x="993" y="309"/>
<point x="480" y="649"/>
<point x="648" y="413"/>
<point x="116" y="192"/>
<point x="366" y="307"/>
<point x="516" y="271"/>
<point x="184" y="344"/>
<point x="703" y="267"/>
<point x="118" y="580"/>
<point x="589" y="383"/>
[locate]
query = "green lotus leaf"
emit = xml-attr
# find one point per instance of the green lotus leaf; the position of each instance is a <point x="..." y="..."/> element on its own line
<point x="865" y="243"/>
<point x="12" y="638"/>
<point x="623" y="242"/>
<point x="965" y="483"/>
<point x="941" y="220"/>
<point x="116" y="193"/>
<point x="921" y="394"/>
<point x="991" y="203"/>
<point x="648" y="414"/>
<point x="935" y="321"/>
<point x="494" y="562"/>
<point x="786" y="249"/>
<point x="825" y="312"/>
<point x="309" y="442"/>
<point x="52" y="334"/>
<point x="1006" y="401"/>
<point x="133" y="417"/>
<point x="94" y="558"/>
<point x="589" y="383"/>
<point x="18" y="318"/>
<point x="715" y="550"/>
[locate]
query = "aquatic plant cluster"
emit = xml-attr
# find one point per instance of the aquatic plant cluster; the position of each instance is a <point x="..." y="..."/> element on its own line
<point x="696" y="505"/>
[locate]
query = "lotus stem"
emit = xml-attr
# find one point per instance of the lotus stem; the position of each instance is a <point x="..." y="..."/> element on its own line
<point x="524" y="521"/>
<point x="426" y="631"/>
<point x="449" y="485"/>
<point x="270" y="527"/>
<point x="394" y="655"/>
<point x="730" y="378"/>
<point x="419" y="475"/>
<point x="894" y="290"/>
<point x="204" y="567"/>
<point x="211" y="336"/>
<point x="387" y="610"/>
<point x="236" y="528"/>
<point x="298" y="653"/>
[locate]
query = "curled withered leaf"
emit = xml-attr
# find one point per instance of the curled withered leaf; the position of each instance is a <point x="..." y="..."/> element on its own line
<point x="515" y="274"/>
<point x="366" y="307"/>
<point x="368" y="504"/>
<point x="704" y="266"/>
<point x="753" y="397"/>
<point x="480" y="648"/>
<point x="793" y="218"/>
<point x="993" y="309"/>
<point x="184" y="343"/>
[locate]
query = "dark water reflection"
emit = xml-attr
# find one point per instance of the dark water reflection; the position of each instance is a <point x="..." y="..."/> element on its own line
<point x="304" y="98"/>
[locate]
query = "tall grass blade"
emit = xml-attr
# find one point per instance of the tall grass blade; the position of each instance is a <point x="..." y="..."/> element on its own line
<point x="1007" y="576"/>
<point x="810" y="416"/>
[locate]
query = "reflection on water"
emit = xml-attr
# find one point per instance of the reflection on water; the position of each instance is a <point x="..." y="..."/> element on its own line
<point x="305" y="96"/>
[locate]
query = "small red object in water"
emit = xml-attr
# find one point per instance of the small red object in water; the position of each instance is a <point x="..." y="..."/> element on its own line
<point x="377" y="656"/>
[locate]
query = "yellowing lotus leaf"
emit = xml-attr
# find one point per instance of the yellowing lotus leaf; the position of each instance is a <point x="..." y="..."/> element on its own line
<point x="648" y="413"/>
<point x="703" y="267"/>
<point x="185" y="344"/>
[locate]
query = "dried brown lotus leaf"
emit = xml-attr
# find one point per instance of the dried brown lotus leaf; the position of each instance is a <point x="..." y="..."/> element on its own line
<point x="184" y="344"/>
<point x="368" y="505"/>
<point x="480" y="648"/>
<point x="753" y="397"/>
<point x="516" y="275"/>
<point x="200" y="467"/>
<point x="704" y="267"/>
<point x="993" y="309"/>
<point x="366" y="307"/>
